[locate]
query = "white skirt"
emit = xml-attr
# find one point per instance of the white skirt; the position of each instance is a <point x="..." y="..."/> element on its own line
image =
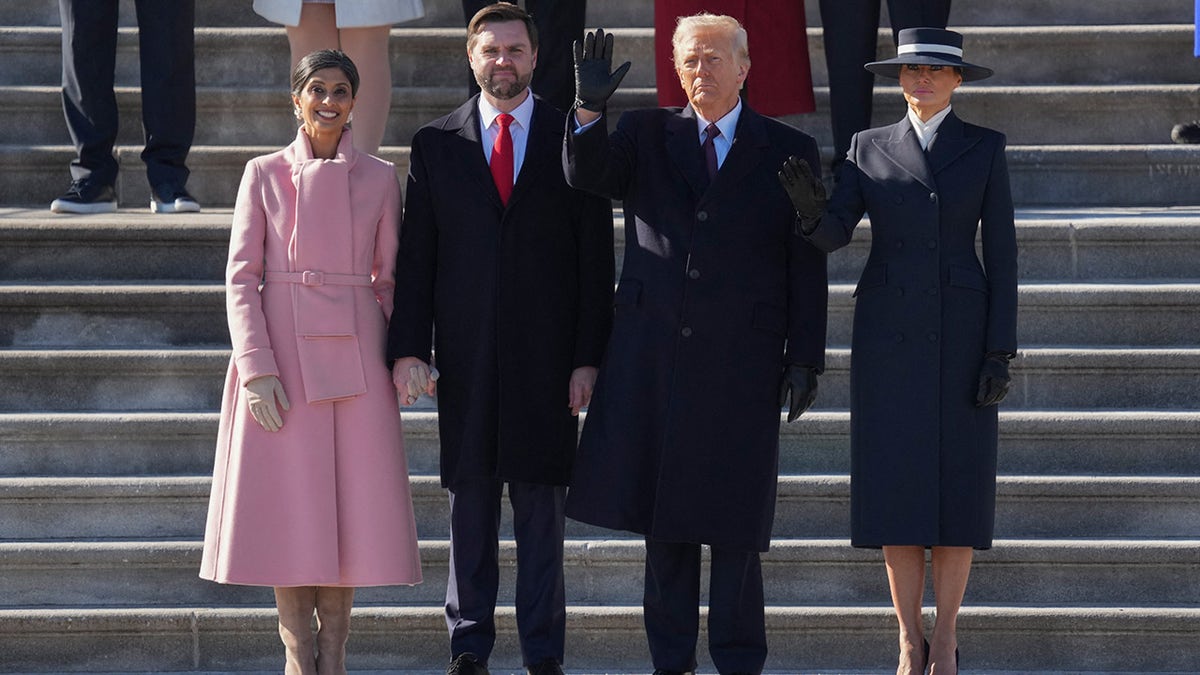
<point x="350" y="13"/>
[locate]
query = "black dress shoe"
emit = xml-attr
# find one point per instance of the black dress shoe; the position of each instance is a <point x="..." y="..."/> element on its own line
<point x="466" y="664"/>
<point x="663" y="671"/>
<point x="547" y="667"/>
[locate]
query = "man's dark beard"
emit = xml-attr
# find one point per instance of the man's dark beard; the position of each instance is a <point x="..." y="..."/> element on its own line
<point x="503" y="91"/>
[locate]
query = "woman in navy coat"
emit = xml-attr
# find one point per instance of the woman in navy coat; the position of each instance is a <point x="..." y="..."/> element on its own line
<point x="933" y="332"/>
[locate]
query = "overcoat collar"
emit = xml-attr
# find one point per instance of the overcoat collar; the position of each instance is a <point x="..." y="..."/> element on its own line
<point x="468" y="154"/>
<point x="947" y="145"/>
<point x="688" y="155"/>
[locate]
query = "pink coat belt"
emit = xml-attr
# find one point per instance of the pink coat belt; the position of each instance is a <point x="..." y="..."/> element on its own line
<point x="316" y="278"/>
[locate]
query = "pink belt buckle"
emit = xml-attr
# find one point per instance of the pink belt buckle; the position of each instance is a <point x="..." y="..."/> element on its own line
<point x="312" y="278"/>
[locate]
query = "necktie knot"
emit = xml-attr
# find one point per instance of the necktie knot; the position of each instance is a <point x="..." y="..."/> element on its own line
<point x="504" y="119"/>
<point x="711" y="132"/>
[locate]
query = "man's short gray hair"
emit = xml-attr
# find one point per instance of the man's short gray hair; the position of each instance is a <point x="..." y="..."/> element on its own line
<point x="687" y="25"/>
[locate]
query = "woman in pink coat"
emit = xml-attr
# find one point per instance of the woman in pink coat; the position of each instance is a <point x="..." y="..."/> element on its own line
<point x="310" y="490"/>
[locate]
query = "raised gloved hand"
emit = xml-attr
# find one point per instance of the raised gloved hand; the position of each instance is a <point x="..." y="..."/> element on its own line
<point x="993" y="379"/>
<point x="595" y="81"/>
<point x="261" y="393"/>
<point x="798" y="389"/>
<point x="805" y="190"/>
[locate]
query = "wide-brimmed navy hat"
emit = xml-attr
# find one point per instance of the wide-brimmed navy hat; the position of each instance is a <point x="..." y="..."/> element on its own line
<point x="929" y="47"/>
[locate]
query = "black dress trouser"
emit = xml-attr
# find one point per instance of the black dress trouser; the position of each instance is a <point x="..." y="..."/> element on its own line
<point x="559" y="23"/>
<point x="737" y="635"/>
<point x="89" y="55"/>
<point x="851" y="28"/>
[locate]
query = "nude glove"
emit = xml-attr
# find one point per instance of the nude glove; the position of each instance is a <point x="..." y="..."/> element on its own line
<point x="261" y="393"/>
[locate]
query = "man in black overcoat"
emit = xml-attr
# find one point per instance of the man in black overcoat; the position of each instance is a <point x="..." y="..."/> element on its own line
<point x="720" y="306"/>
<point x="510" y="272"/>
<point x="851" y="30"/>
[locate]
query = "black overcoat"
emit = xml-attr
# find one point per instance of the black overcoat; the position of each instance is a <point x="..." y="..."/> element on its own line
<point x="923" y="456"/>
<point x="514" y="297"/>
<point x="716" y="293"/>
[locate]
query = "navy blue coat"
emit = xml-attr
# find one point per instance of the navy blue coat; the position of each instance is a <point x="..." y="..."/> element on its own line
<point x="518" y="297"/>
<point x="716" y="293"/>
<point x="923" y="456"/>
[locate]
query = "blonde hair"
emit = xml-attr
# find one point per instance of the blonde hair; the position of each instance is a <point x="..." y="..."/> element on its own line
<point x="686" y="26"/>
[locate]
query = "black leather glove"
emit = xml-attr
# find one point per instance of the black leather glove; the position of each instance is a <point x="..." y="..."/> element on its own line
<point x="797" y="389"/>
<point x="594" y="83"/>
<point x="993" y="379"/>
<point x="805" y="190"/>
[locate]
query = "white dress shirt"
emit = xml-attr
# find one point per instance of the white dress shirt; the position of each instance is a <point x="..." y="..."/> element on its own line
<point x="489" y="128"/>
<point x="925" y="130"/>
<point x="727" y="125"/>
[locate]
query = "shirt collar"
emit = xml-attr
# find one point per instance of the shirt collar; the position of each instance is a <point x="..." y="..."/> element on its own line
<point x="926" y="130"/>
<point x="727" y="124"/>
<point x="522" y="115"/>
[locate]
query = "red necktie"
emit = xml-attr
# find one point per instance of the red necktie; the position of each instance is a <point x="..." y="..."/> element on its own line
<point x="502" y="159"/>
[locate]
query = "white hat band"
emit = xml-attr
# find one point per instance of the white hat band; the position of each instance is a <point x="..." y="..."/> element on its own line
<point x="941" y="49"/>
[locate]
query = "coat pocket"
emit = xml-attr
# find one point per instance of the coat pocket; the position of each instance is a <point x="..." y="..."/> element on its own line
<point x="770" y="318"/>
<point x="967" y="277"/>
<point x="331" y="368"/>
<point x="872" y="277"/>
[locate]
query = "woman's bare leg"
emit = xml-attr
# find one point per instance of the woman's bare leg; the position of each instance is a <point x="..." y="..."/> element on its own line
<point x="368" y="48"/>
<point x="906" y="579"/>
<point x="951" y="567"/>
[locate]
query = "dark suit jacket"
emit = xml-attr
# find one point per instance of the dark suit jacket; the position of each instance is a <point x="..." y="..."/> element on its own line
<point x="516" y="297"/>
<point x="716" y="295"/>
<point x="923" y="469"/>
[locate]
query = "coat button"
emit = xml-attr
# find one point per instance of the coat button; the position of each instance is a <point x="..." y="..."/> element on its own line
<point x="900" y="244"/>
<point x="899" y="337"/>
<point x="899" y="199"/>
<point x="932" y="244"/>
<point x="702" y="216"/>
<point x="933" y="196"/>
<point x="686" y="332"/>
<point x="693" y="273"/>
<point x="900" y="292"/>
<point x="931" y="291"/>
<point x="933" y="337"/>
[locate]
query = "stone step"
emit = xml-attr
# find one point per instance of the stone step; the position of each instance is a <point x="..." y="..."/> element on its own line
<point x="1138" y="443"/>
<point x="1083" y="244"/>
<point x="1162" y="573"/>
<point x="1131" y="639"/>
<point x="191" y="379"/>
<point x="1032" y="443"/>
<point x="82" y="316"/>
<point x="1057" y="114"/>
<point x="620" y="13"/>
<point x="1020" y="55"/>
<point x="38" y="246"/>
<point x="807" y="506"/>
<point x="1090" y="176"/>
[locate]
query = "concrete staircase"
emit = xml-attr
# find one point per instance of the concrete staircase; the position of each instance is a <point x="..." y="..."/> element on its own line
<point x="113" y="345"/>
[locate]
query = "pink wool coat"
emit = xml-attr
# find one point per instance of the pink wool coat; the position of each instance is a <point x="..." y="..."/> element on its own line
<point x="325" y="500"/>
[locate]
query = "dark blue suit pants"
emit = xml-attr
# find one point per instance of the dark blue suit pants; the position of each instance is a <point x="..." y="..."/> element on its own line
<point x="737" y="635"/>
<point x="474" y="581"/>
<point x="89" y="54"/>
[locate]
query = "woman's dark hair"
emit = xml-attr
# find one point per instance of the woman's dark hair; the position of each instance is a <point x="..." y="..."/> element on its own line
<point x="320" y="60"/>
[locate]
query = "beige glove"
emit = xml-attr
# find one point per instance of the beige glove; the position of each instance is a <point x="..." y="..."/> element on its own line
<point x="413" y="377"/>
<point x="261" y="393"/>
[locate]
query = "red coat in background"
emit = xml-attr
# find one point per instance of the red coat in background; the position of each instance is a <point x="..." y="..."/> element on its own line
<point x="780" y="80"/>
